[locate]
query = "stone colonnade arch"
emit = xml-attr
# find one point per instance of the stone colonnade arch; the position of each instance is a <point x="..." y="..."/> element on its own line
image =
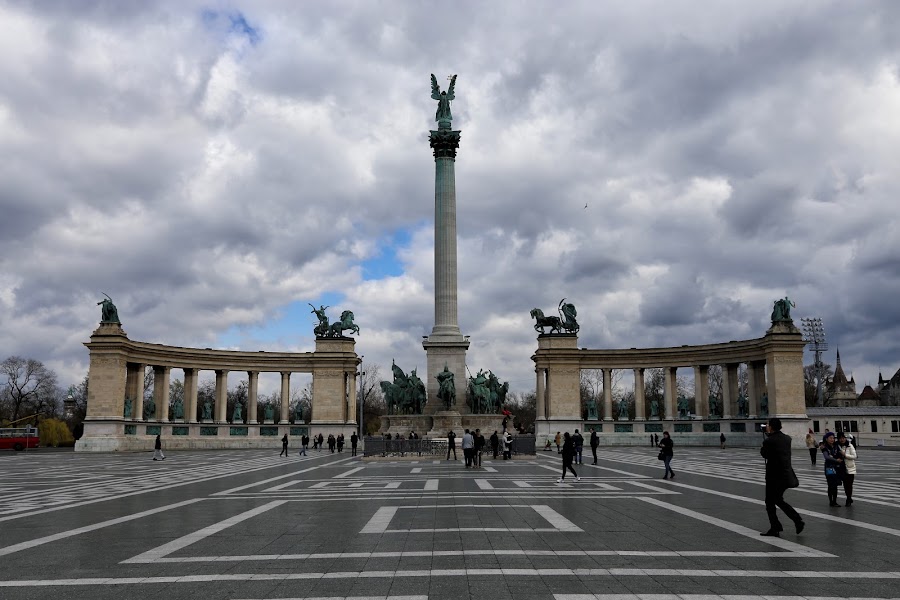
<point x="774" y="363"/>
<point x="117" y="366"/>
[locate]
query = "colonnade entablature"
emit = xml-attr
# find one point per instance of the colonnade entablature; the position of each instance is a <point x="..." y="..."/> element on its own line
<point x="774" y="384"/>
<point x="115" y="418"/>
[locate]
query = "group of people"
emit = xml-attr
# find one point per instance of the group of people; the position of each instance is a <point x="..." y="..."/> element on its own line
<point x="473" y="444"/>
<point x="319" y="441"/>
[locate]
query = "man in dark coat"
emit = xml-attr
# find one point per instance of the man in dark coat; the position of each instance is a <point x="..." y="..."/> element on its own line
<point x="495" y="444"/>
<point x="776" y="449"/>
<point x="451" y="444"/>
<point x="595" y="441"/>
<point x="354" y="440"/>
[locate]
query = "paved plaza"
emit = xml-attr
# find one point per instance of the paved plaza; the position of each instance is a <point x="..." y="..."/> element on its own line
<point x="253" y="525"/>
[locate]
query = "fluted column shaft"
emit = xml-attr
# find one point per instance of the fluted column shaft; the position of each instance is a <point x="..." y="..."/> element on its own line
<point x="607" y="395"/>
<point x="252" y="396"/>
<point x="285" y="396"/>
<point x="161" y="392"/>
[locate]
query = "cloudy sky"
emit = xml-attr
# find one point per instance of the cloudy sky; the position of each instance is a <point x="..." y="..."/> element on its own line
<point x="671" y="168"/>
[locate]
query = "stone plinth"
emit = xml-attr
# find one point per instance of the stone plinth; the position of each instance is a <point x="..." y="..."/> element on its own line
<point x="444" y="421"/>
<point x="451" y="352"/>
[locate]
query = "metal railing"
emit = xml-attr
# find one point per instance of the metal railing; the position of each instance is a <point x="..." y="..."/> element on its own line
<point x="380" y="446"/>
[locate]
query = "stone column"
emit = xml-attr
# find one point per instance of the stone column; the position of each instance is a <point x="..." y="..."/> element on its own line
<point x="753" y="391"/>
<point x="221" y="408"/>
<point x="161" y="392"/>
<point x="639" y="402"/>
<point x="190" y="395"/>
<point x="252" y="396"/>
<point x="540" y="400"/>
<point x="352" y="411"/>
<point x="701" y="391"/>
<point x="134" y="389"/>
<point x="729" y="390"/>
<point x="607" y="394"/>
<point x="446" y="344"/>
<point x="285" y="397"/>
<point x="670" y="390"/>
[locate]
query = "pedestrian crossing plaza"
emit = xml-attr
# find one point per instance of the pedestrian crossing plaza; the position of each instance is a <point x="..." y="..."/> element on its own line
<point x="256" y="525"/>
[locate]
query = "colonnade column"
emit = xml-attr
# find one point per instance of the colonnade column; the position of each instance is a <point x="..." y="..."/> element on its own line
<point x="134" y="389"/>
<point x="729" y="390"/>
<point x="607" y="394"/>
<point x="352" y="411"/>
<point x="752" y="391"/>
<point x="639" y="395"/>
<point x="252" y="396"/>
<point x="221" y="396"/>
<point x="670" y="390"/>
<point x="762" y="384"/>
<point x="701" y="391"/>
<point x="285" y="397"/>
<point x="161" y="392"/>
<point x="541" y="400"/>
<point x="190" y="395"/>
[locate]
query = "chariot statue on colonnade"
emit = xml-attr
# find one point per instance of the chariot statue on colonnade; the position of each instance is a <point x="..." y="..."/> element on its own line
<point x="336" y="329"/>
<point x="564" y="323"/>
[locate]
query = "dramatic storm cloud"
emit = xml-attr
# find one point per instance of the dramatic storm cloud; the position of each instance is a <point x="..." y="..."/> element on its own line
<point x="671" y="168"/>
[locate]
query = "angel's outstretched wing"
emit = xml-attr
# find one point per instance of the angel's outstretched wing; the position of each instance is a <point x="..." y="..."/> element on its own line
<point x="450" y="95"/>
<point x="435" y="90"/>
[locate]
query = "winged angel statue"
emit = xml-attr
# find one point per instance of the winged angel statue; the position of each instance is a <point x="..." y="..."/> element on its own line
<point x="443" y="111"/>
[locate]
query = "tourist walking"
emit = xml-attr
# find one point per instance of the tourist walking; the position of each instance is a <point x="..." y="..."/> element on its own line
<point x="495" y="444"/>
<point x="157" y="450"/>
<point x="595" y="441"/>
<point x="451" y="445"/>
<point x="578" y="442"/>
<point x="284" y="445"/>
<point x="568" y="453"/>
<point x="666" y="444"/>
<point x="558" y="440"/>
<point x="813" y="446"/>
<point x="304" y="442"/>
<point x="340" y="442"/>
<point x="331" y="442"/>
<point x="776" y="449"/>
<point x="321" y="441"/>
<point x="722" y="440"/>
<point x="507" y="445"/>
<point x="834" y="464"/>
<point x="652" y="443"/>
<point x="468" y="447"/>
<point x="849" y="474"/>
<point x="655" y="440"/>
<point x="354" y="440"/>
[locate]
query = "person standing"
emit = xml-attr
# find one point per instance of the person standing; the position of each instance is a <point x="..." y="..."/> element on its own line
<point x="834" y="464"/>
<point x="451" y="444"/>
<point x="655" y="440"/>
<point x="667" y="444"/>
<point x="812" y="446"/>
<point x="354" y="440"/>
<point x="722" y="440"/>
<point x="157" y="450"/>
<point x="849" y="452"/>
<point x="578" y="442"/>
<point x="558" y="440"/>
<point x="568" y="453"/>
<point x="652" y="443"/>
<point x="479" y="447"/>
<point x="321" y="441"/>
<point x="331" y="442"/>
<point x="507" y="445"/>
<point x="304" y="442"/>
<point x="340" y="442"/>
<point x="284" y="445"/>
<point x="776" y="449"/>
<point x="468" y="447"/>
<point x="495" y="444"/>
<point x="595" y="441"/>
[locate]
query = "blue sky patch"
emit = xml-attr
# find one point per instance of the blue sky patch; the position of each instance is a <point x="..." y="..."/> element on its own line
<point x="233" y="23"/>
<point x="385" y="262"/>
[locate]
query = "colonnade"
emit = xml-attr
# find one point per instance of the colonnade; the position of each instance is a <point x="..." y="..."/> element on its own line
<point x="117" y="372"/>
<point x="774" y="366"/>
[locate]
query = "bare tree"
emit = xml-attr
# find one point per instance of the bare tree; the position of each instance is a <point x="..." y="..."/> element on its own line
<point x="716" y="379"/>
<point x="371" y="397"/>
<point x="28" y="387"/>
<point x="809" y="383"/>
<point x="523" y="407"/>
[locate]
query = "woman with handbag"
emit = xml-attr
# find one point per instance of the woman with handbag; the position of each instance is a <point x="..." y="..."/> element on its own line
<point x="834" y="462"/>
<point x="849" y="473"/>
<point x="666" y="454"/>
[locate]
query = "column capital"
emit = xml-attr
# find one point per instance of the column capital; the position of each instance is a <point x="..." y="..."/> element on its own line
<point x="444" y="143"/>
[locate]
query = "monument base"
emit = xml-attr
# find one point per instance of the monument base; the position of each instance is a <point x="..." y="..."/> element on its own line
<point x="444" y="421"/>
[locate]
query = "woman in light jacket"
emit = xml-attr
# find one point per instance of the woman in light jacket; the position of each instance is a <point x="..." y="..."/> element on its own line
<point x="849" y="467"/>
<point x="813" y="446"/>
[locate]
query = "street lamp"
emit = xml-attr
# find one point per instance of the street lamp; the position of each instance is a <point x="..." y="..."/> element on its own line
<point x="360" y="401"/>
<point x="814" y="335"/>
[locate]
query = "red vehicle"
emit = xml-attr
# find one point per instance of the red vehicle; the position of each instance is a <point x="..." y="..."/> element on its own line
<point x="18" y="438"/>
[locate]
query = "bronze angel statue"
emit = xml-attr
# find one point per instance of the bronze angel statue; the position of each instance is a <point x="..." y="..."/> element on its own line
<point x="443" y="98"/>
